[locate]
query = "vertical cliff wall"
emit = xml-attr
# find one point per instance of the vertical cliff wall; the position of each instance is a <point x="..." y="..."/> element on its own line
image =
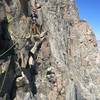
<point x="58" y="61"/>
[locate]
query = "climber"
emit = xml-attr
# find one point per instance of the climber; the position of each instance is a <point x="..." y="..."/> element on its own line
<point x="34" y="16"/>
<point x="35" y="7"/>
<point x="38" y="35"/>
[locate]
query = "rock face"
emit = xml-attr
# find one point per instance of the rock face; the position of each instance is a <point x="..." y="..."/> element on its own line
<point x="57" y="59"/>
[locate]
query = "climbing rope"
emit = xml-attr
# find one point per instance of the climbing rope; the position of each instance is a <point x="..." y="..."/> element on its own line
<point x="4" y="80"/>
<point x="12" y="47"/>
<point x="8" y="50"/>
<point x="7" y="68"/>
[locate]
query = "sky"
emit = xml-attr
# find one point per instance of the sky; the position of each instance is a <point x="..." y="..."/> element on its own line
<point x="90" y="10"/>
